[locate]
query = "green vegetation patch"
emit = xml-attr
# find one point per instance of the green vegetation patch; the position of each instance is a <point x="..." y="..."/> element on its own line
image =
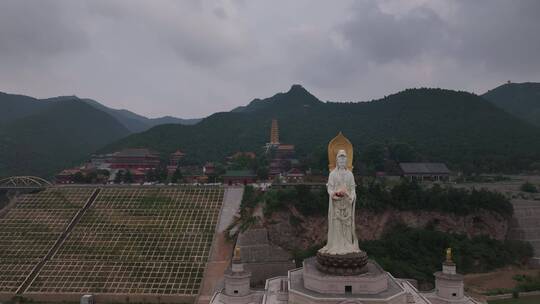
<point x="418" y="253"/>
<point x="376" y="196"/>
<point x="528" y="187"/>
<point x="305" y="199"/>
<point x="412" y="196"/>
<point x="522" y="300"/>
<point x="527" y="282"/>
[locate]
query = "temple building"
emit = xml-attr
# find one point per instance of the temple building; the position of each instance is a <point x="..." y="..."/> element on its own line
<point x="239" y="177"/>
<point x="283" y="151"/>
<point x="66" y="176"/>
<point x="174" y="158"/>
<point x="142" y="159"/>
<point x="309" y="285"/>
<point x="281" y="156"/>
<point x="209" y="168"/>
<point x="174" y="161"/>
<point x="425" y="171"/>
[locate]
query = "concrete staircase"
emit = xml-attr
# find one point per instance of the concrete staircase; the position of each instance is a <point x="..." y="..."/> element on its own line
<point x="525" y="225"/>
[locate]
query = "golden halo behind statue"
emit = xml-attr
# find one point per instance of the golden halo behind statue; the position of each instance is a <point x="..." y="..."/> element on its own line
<point x="340" y="142"/>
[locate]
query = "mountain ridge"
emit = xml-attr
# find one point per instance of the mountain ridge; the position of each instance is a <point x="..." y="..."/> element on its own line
<point x="61" y="135"/>
<point x="22" y="105"/>
<point x="296" y="90"/>
<point x="43" y="136"/>
<point x="460" y="128"/>
<point x="519" y="99"/>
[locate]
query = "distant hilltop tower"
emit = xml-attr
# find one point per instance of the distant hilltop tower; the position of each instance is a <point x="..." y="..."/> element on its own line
<point x="274" y="133"/>
<point x="274" y="137"/>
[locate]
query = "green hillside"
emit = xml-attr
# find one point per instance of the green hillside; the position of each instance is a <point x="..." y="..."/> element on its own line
<point x="49" y="140"/>
<point x="459" y="128"/>
<point x="138" y="123"/>
<point x="43" y="136"/>
<point x="17" y="106"/>
<point x="519" y="99"/>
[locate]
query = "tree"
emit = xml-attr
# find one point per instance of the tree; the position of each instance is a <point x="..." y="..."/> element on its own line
<point x="151" y="176"/>
<point x="402" y="152"/>
<point x="219" y="170"/>
<point x="261" y="166"/>
<point x="128" y="177"/>
<point x="242" y="162"/>
<point x="78" y="178"/>
<point x="262" y="173"/>
<point x="177" y="176"/>
<point x="103" y="172"/>
<point x="91" y="177"/>
<point x="162" y="174"/>
<point x="119" y="177"/>
<point x="528" y="187"/>
<point x="373" y="157"/>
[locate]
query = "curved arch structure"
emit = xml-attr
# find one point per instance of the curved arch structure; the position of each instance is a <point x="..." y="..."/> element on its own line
<point x="24" y="182"/>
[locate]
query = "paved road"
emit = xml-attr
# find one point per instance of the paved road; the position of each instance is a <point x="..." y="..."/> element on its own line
<point x="222" y="249"/>
<point x="231" y="204"/>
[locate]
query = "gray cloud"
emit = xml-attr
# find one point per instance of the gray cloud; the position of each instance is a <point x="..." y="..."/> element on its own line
<point x="40" y="29"/>
<point x="502" y="35"/>
<point x="200" y="33"/>
<point x="382" y="37"/>
<point x="193" y="58"/>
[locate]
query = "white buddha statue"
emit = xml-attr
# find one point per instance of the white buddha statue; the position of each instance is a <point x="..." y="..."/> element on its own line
<point x="342" y="198"/>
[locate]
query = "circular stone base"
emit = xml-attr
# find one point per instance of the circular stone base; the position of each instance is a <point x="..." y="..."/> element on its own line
<point x="373" y="282"/>
<point x="342" y="264"/>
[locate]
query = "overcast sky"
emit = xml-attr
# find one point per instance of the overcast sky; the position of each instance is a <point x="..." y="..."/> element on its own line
<point x="193" y="58"/>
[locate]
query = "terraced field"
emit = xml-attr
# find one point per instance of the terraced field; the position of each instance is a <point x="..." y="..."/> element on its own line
<point x="131" y="240"/>
<point x="30" y="229"/>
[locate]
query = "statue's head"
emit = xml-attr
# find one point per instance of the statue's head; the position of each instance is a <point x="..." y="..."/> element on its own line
<point x="341" y="159"/>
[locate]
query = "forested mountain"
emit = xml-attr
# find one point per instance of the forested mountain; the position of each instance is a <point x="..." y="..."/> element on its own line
<point x="459" y="128"/>
<point x="17" y="106"/>
<point x="464" y="130"/>
<point x="138" y="123"/>
<point x="49" y="140"/>
<point x="43" y="136"/>
<point x="519" y="99"/>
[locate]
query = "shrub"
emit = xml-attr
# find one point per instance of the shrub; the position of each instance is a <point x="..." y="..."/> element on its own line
<point x="251" y="197"/>
<point x="409" y="195"/>
<point x="418" y="253"/>
<point x="528" y="283"/>
<point x="376" y="196"/>
<point x="528" y="187"/>
<point x="303" y="198"/>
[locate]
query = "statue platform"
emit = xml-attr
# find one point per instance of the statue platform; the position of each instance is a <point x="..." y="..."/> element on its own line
<point x="373" y="280"/>
<point x="342" y="264"/>
<point x="310" y="285"/>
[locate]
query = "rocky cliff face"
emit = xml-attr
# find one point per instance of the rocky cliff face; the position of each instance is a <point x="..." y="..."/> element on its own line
<point x="292" y="230"/>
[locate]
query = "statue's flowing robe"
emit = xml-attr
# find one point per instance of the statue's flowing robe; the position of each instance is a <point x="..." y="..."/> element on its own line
<point x="338" y="243"/>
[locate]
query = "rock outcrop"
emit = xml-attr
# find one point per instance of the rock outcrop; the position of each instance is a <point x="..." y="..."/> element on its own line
<point x="291" y="230"/>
